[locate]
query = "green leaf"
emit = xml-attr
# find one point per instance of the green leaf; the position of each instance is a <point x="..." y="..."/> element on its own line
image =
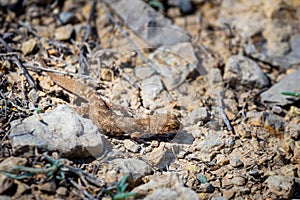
<point x="202" y="178"/>
<point x="124" y="195"/>
<point x="294" y="94"/>
<point x="157" y="4"/>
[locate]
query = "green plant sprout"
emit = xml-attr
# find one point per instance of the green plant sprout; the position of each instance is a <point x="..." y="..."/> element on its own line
<point x="202" y="178"/>
<point x="294" y="94"/>
<point x="121" y="188"/>
<point x="25" y="172"/>
<point x="156" y="4"/>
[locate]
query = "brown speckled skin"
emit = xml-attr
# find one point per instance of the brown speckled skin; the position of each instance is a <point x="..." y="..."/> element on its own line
<point x="157" y="127"/>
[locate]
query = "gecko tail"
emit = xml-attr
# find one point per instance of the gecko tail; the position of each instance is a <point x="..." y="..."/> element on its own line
<point x="73" y="86"/>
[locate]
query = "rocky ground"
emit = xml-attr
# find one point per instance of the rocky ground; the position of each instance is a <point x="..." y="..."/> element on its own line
<point x="219" y="66"/>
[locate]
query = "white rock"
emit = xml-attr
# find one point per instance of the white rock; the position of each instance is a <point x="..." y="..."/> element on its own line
<point x="61" y="130"/>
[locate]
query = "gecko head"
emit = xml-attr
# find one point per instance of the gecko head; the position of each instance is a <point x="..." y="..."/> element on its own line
<point x="172" y="124"/>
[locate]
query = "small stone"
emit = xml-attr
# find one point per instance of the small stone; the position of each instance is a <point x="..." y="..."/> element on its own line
<point x="66" y="17"/>
<point x="150" y="90"/>
<point x="62" y="191"/>
<point x="205" y="148"/>
<point x="11" y="162"/>
<point x="222" y="159"/>
<point x="134" y="168"/>
<point x="296" y="158"/>
<point x="293" y="130"/>
<point x="239" y="181"/>
<point x="218" y="198"/>
<point x="244" y="71"/>
<point x="231" y="105"/>
<point x="276" y="109"/>
<point x="289" y="170"/>
<point x="162" y="193"/>
<point x="131" y="146"/>
<point x="214" y="76"/>
<point x="45" y="31"/>
<point x="199" y="114"/>
<point x="244" y="191"/>
<point x="229" y="193"/>
<point x="270" y="121"/>
<point x="206" y="188"/>
<point x="21" y="188"/>
<point x="33" y="95"/>
<point x="143" y="72"/>
<point x="235" y="162"/>
<point x="28" y="46"/>
<point x="161" y="157"/>
<point x="48" y="186"/>
<point x="274" y="123"/>
<point x="64" y="32"/>
<point x="184" y="5"/>
<point x="171" y="183"/>
<point x="175" y="67"/>
<point x="5" y="183"/>
<point x="281" y="186"/>
<point x="255" y="118"/>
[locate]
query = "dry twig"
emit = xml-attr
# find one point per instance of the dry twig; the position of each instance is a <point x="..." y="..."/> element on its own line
<point x="19" y="64"/>
<point x="225" y="119"/>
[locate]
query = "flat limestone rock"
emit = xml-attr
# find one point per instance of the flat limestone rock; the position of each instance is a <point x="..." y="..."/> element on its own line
<point x="175" y="63"/>
<point x="61" y="130"/>
<point x="134" y="168"/>
<point x="147" y="23"/>
<point x="281" y="186"/>
<point x="166" y="186"/>
<point x="290" y="83"/>
<point x="244" y="71"/>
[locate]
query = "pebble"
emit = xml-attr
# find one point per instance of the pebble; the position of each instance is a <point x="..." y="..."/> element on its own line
<point x="64" y="32"/>
<point x="169" y="183"/>
<point x="161" y="157"/>
<point x="229" y="193"/>
<point x="150" y="89"/>
<point x="281" y="186"/>
<point x="214" y="76"/>
<point x="205" y="149"/>
<point x="239" y="181"/>
<point x="134" y="168"/>
<point x="66" y="17"/>
<point x="10" y="162"/>
<point x="175" y="67"/>
<point x="185" y="6"/>
<point x="143" y="72"/>
<point x="296" y="158"/>
<point x="240" y="70"/>
<point x="45" y="31"/>
<point x="28" y="46"/>
<point x="22" y="188"/>
<point x="244" y="191"/>
<point x="5" y="183"/>
<point x="131" y="146"/>
<point x="206" y="188"/>
<point x="222" y="159"/>
<point x="199" y="114"/>
<point x="62" y="191"/>
<point x="218" y="198"/>
<point x="49" y="186"/>
<point x="235" y="162"/>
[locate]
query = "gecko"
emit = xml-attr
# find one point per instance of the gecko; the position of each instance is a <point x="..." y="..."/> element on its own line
<point x="140" y="129"/>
